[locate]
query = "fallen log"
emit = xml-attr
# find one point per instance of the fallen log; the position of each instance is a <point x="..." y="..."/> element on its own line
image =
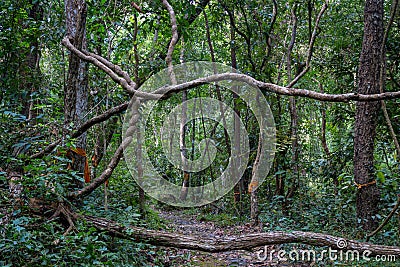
<point x="244" y="242"/>
<point x="248" y="242"/>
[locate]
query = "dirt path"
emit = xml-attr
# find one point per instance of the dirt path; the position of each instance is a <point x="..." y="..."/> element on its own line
<point x="190" y="225"/>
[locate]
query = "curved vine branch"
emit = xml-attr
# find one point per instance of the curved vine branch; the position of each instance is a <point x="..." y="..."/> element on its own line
<point x="114" y="71"/>
<point x="106" y="174"/>
<point x="386" y="219"/>
<point x="382" y="77"/>
<point x="174" y="40"/>
<point x="83" y="128"/>
<point x="166" y="91"/>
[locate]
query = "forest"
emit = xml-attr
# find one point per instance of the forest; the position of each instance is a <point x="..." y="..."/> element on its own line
<point x="199" y="133"/>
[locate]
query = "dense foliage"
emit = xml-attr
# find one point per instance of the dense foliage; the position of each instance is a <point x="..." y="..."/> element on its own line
<point x="33" y="73"/>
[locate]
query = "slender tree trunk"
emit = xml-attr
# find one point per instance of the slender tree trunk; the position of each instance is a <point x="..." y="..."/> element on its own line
<point x="293" y="117"/>
<point x="217" y="87"/>
<point x="76" y="89"/>
<point x="254" y="211"/>
<point x="139" y="156"/>
<point x="182" y="137"/>
<point x="238" y="187"/>
<point x="102" y="142"/>
<point x="325" y="144"/>
<point x="366" y="112"/>
<point x="142" y="196"/>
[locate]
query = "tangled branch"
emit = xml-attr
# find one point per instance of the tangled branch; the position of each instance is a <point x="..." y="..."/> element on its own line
<point x="165" y="91"/>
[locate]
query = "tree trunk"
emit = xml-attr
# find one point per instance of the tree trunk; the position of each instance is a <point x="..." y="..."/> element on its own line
<point x="254" y="211"/>
<point x="366" y="114"/>
<point x="293" y="118"/>
<point x="139" y="166"/>
<point x="325" y="144"/>
<point x="238" y="187"/>
<point x="182" y="144"/>
<point x="76" y="89"/>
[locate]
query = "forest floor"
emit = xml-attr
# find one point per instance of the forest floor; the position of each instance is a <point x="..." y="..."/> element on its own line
<point x="186" y="224"/>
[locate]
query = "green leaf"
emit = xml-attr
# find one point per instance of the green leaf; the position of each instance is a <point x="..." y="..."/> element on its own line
<point x="381" y="176"/>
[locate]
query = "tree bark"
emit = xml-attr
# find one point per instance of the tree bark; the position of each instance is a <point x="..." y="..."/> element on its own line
<point x="182" y="144"/>
<point x="325" y="144"/>
<point x="238" y="187"/>
<point x="122" y="78"/>
<point x="293" y="118"/>
<point x="76" y="89"/>
<point x="366" y="113"/>
<point x="244" y="242"/>
<point x="209" y="244"/>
